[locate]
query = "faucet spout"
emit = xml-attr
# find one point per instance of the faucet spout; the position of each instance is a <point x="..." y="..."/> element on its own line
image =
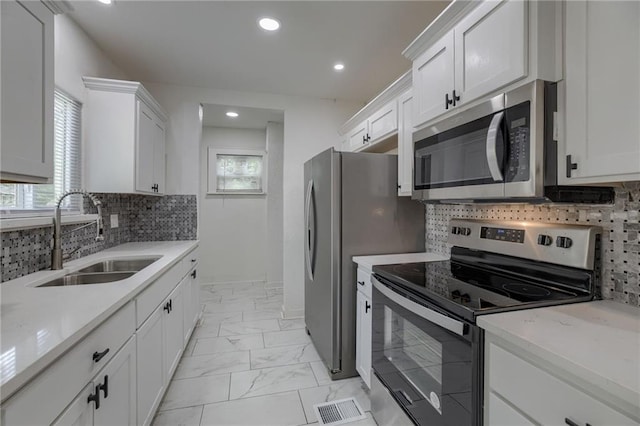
<point x="57" y="255"/>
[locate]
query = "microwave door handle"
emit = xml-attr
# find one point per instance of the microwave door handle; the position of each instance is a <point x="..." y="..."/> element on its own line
<point x="492" y="142"/>
<point x="430" y="315"/>
<point x="309" y="244"/>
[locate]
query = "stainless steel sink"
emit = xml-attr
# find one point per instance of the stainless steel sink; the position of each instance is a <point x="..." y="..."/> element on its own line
<point x="91" y="278"/>
<point x="120" y="265"/>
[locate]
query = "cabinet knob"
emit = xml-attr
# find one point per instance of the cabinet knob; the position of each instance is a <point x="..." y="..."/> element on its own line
<point x="167" y="307"/>
<point x="368" y="137"/>
<point x="570" y="166"/>
<point x="361" y="282"/>
<point x="456" y="98"/>
<point x="193" y="274"/>
<point x="104" y="387"/>
<point x="95" y="397"/>
<point x="97" y="356"/>
<point x="364" y="139"/>
<point x="367" y="306"/>
<point x="570" y="422"/>
<point x="447" y="101"/>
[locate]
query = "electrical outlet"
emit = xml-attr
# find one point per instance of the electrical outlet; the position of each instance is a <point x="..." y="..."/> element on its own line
<point x="114" y="220"/>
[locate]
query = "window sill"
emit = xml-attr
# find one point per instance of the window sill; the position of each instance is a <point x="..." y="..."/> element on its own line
<point x="18" y="223"/>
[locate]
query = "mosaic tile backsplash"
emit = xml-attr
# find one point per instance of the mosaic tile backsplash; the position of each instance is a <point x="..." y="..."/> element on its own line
<point x="140" y="218"/>
<point x="620" y="223"/>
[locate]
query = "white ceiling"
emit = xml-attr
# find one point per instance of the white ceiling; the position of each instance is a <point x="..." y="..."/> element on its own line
<point x="217" y="44"/>
<point x="248" y="118"/>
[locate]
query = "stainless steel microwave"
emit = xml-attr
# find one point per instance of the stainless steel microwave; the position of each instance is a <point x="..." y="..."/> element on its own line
<point x="492" y="151"/>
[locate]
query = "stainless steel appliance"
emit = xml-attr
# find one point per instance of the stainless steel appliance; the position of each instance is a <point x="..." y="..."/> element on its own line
<point x="503" y="148"/>
<point x="427" y="351"/>
<point x="351" y="208"/>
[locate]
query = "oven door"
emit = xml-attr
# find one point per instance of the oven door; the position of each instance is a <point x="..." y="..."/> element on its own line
<point x="429" y="361"/>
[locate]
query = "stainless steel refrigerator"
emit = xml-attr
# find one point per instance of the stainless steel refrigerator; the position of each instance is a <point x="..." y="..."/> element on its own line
<point x="351" y="208"/>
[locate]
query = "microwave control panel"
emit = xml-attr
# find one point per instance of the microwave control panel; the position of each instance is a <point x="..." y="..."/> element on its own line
<point x="518" y="130"/>
<point x="502" y="234"/>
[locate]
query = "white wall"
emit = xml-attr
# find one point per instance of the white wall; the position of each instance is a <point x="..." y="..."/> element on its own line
<point x="76" y="55"/>
<point x="275" y="229"/>
<point x="310" y="126"/>
<point x="233" y="228"/>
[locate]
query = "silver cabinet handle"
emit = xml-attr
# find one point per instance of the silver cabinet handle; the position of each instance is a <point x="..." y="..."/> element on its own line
<point x="437" y="318"/>
<point x="308" y="230"/>
<point x="492" y="155"/>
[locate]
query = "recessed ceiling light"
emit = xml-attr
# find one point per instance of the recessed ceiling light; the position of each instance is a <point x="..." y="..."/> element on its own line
<point x="106" y="1"/>
<point x="232" y="114"/>
<point x="269" y="24"/>
<point x="338" y="67"/>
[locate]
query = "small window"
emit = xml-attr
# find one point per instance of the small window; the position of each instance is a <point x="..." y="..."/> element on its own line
<point x="35" y="200"/>
<point x="236" y="172"/>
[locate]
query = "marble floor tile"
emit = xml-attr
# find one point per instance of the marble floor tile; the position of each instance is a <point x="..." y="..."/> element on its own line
<point x="189" y="416"/>
<point x="208" y="365"/>
<point x="283" y="409"/>
<point x="218" y="317"/>
<point x="274" y="291"/>
<point x="250" y="292"/>
<point x="208" y="291"/>
<point x="206" y="331"/>
<point x="268" y="299"/>
<point x="271" y="305"/>
<point x="237" y="298"/>
<point x="283" y="355"/>
<point x="261" y="315"/>
<point x="239" y="285"/>
<point x="321" y="372"/>
<point x="369" y="421"/>
<point x="290" y="324"/>
<point x="197" y="391"/>
<point x="228" y="344"/>
<point x="248" y="327"/>
<point x="338" y="389"/>
<point x="273" y="285"/>
<point x="271" y="380"/>
<point x="188" y="350"/>
<point x="284" y="338"/>
<point x="229" y="307"/>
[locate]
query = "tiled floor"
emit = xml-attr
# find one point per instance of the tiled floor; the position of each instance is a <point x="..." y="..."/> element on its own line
<point x="246" y="366"/>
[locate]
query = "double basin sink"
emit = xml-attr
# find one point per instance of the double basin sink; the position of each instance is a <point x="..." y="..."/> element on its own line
<point x="106" y="271"/>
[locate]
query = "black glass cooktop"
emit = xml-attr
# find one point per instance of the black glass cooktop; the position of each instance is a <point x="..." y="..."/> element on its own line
<point x="471" y="290"/>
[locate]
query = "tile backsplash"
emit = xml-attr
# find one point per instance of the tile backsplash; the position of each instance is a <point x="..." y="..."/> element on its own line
<point x="140" y="218"/>
<point x="620" y="223"/>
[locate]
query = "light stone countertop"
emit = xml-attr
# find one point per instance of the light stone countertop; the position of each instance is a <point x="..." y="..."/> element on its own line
<point x="369" y="262"/>
<point x="596" y="342"/>
<point x="40" y="324"/>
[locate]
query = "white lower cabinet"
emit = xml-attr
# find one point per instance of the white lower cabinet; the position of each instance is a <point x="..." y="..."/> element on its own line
<point x="363" y="325"/>
<point x="191" y="299"/>
<point x="173" y="329"/>
<point x="150" y="367"/>
<point x="517" y="388"/>
<point x="110" y="398"/>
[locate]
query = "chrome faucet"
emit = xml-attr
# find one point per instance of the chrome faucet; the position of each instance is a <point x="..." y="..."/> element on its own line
<point x="56" y="254"/>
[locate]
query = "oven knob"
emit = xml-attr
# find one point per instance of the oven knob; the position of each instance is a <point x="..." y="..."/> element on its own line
<point x="564" y="242"/>
<point x="545" y="240"/>
<point x="455" y="230"/>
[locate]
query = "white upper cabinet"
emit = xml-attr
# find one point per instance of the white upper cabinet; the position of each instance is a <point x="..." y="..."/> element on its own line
<point x="358" y="137"/>
<point x="476" y="48"/>
<point x="27" y="92"/>
<point x="383" y="122"/>
<point x="433" y="80"/>
<point x="491" y="48"/>
<point x="125" y="138"/>
<point x="405" y="144"/>
<point x="601" y="93"/>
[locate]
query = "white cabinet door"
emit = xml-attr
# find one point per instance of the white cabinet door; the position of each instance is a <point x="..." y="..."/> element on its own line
<point x="405" y="144"/>
<point x="191" y="303"/>
<point x="80" y="411"/>
<point x="26" y="135"/>
<point x="173" y="329"/>
<point x="363" y="337"/>
<point x="145" y="148"/>
<point x="499" y="413"/>
<point x="150" y="367"/>
<point x="358" y="137"/>
<point x="490" y="48"/>
<point x="433" y="79"/>
<point x="117" y="387"/>
<point x="159" y="158"/>
<point x="602" y="98"/>
<point x="383" y="122"/>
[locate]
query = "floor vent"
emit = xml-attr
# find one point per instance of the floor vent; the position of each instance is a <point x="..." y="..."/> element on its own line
<point x="339" y="412"/>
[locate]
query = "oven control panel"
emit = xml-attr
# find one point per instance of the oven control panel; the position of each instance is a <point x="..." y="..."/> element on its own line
<point x="502" y="234"/>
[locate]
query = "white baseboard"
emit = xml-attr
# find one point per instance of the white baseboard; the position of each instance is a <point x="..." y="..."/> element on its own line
<point x="292" y="313"/>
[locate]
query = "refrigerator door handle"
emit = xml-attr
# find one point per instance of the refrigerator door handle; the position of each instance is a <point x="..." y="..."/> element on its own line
<point x="309" y="244"/>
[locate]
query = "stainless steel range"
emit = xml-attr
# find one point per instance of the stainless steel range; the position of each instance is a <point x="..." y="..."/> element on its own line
<point x="427" y="351"/>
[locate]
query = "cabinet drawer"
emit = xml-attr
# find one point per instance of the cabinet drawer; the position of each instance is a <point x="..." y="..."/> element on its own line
<point x="536" y="393"/>
<point x="44" y="398"/>
<point x="190" y="260"/>
<point x="363" y="281"/>
<point x="155" y="293"/>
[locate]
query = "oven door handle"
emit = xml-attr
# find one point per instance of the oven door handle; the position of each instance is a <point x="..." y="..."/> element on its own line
<point x="492" y="145"/>
<point x="437" y="318"/>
